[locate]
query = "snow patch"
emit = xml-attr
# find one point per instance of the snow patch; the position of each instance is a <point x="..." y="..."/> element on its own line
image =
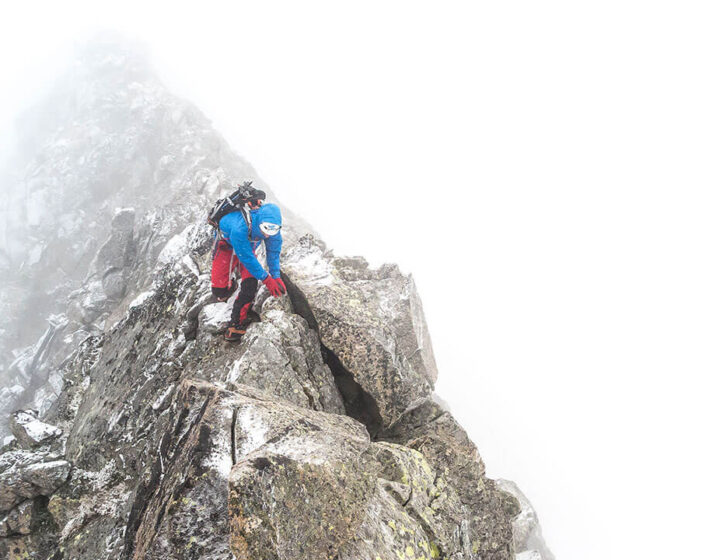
<point x="100" y="480"/>
<point x="215" y="315"/>
<point x="33" y="428"/>
<point x="142" y="298"/>
<point x="254" y="430"/>
<point x="175" y="248"/>
<point x="234" y="372"/>
<point x="219" y="461"/>
<point x="49" y="466"/>
<point x="190" y="264"/>
<point x="300" y="450"/>
<point x="315" y="267"/>
<point x="159" y="401"/>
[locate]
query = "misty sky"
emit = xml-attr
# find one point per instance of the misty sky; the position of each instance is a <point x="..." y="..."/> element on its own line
<point x="547" y="171"/>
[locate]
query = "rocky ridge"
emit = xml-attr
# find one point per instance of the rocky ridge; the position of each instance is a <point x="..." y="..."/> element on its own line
<point x="315" y="437"/>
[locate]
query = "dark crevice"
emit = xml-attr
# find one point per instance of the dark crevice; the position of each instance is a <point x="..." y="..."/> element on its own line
<point x="191" y="323"/>
<point x="406" y="502"/>
<point x="404" y="428"/>
<point x="159" y="519"/>
<point x="233" y="451"/>
<point x="43" y="527"/>
<point x="184" y="413"/>
<point x="199" y="451"/>
<point x="300" y="303"/>
<point x="359" y="404"/>
<point x="142" y="498"/>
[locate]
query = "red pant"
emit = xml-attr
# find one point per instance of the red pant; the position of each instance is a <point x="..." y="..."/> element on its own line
<point x="224" y="263"/>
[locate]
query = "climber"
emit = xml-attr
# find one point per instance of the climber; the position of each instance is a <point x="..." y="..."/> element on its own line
<point x="241" y="233"/>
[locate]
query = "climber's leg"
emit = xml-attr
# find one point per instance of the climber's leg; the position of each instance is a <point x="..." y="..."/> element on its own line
<point x="242" y="312"/>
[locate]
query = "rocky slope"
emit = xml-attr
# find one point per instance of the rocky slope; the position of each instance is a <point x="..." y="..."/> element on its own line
<point x="110" y="166"/>
<point x="317" y="436"/>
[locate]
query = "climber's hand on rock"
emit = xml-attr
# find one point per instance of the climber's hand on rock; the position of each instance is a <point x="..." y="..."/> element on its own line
<point x="274" y="286"/>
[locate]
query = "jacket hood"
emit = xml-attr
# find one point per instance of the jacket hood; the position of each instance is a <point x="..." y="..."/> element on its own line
<point x="266" y="213"/>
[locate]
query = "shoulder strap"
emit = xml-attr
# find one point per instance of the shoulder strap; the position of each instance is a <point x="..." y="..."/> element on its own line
<point x="248" y="221"/>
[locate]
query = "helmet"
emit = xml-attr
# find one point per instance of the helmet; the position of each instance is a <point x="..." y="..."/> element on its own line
<point x="250" y="195"/>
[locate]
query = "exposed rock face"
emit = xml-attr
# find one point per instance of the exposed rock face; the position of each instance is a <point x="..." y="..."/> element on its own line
<point x="18" y="521"/>
<point x="165" y="427"/>
<point x="529" y="541"/>
<point x="111" y="166"/>
<point x="314" y="437"/>
<point x="313" y="487"/>
<point x="488" y="510"/>
<point x="117" y="254"/>
<point x="370" y="320"/>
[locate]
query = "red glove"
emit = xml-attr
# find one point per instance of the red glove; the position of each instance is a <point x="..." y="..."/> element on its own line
<point x="275" y="286"/>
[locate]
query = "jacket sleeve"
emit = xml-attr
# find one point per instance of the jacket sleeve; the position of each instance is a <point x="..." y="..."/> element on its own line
<point x="273" y="246"/>
<point x="241" y="244"/>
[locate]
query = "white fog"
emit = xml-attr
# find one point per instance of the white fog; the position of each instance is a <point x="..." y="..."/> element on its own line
<point x="546" y="172"/>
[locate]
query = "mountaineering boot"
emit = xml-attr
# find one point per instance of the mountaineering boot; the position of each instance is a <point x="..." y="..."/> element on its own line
<point x="236" y="331"/>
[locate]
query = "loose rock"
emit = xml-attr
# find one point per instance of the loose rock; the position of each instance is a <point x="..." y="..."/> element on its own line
<point x="29" y="430"/>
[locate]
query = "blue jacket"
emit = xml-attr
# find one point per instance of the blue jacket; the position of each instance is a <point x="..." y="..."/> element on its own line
<point x="234" y="230"/>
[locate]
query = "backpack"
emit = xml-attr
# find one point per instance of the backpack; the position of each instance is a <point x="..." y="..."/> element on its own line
<point x="235" y="202"/>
